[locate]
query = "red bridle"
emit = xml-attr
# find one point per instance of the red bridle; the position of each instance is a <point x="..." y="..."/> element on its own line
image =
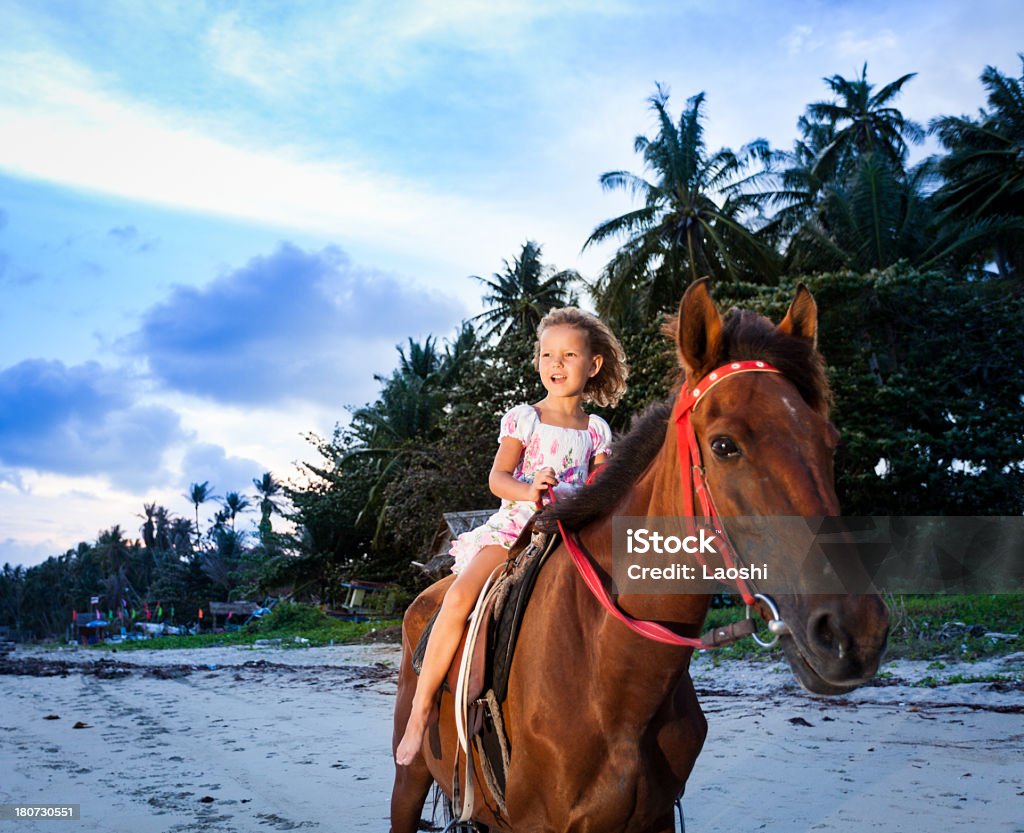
<point x="695" y="490"/>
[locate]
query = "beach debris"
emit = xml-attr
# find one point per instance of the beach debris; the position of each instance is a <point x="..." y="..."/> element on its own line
<point x="80" y="725"/>
<point x="799" y="721"/>
<point x="52" y="717"/>
<point x="958" y="630"/>
<point x="207" y="799"/>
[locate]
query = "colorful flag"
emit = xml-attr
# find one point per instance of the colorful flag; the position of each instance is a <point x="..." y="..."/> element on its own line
<point x="74" y="615"/>
<point x="200" y="614"/>
<point x="159" y="611"/>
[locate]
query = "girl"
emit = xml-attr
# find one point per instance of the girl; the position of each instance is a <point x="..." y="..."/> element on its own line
<point x="547" y="447"/>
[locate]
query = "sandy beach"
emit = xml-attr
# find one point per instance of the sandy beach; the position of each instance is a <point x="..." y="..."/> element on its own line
<point x="267" y="738"/>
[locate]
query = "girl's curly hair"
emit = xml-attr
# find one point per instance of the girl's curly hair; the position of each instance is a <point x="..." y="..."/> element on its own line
<point x="609" y="384"/>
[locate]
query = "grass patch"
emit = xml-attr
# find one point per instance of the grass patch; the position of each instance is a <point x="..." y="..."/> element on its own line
<point x="921" y="627"/>
<point x="296" y="625"/>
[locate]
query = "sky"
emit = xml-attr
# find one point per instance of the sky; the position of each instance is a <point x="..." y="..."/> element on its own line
<point x="219" y="219"/>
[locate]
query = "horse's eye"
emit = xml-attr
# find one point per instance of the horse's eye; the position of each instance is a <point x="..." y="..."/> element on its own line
<point x="724" y="447"/>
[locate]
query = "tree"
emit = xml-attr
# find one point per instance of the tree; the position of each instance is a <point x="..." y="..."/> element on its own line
<point x="864" y="124"/>
<point x="692" y="221"/>
<point x="267" y="488"/>
<point x="521" y="295"/>
<point x="844" y="197"/>
<point x="983" y="192"/>
<point x="234" y="504"/>
<point x="197" y="495"/>
<point x="927" y="387"/>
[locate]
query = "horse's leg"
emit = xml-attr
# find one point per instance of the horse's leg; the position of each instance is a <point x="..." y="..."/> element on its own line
<point x="412" y="783"/>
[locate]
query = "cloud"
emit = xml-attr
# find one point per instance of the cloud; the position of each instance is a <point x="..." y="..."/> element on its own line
<point x="130" y="238"/>
<point x="206" y="462"/>
<point x="290" y="326"/>
<point x="82" y="420"/>
<point x="799" y="40"/>
<point x="861" y="47"/>
<point x="62" y="123"/>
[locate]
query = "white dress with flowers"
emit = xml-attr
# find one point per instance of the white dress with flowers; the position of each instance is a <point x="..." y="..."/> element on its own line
<point x="569" y="451"/>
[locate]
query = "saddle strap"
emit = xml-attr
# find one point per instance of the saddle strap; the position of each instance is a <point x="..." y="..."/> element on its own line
<point x="461" y="694"/>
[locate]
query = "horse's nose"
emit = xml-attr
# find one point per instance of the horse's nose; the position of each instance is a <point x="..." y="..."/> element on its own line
<point x="826" y="637"/>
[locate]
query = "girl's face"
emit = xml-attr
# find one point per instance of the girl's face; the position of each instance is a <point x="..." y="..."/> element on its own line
<point x="566" y="362"/>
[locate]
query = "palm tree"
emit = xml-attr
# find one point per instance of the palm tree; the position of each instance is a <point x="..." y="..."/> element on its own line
<point x="267" y="487"/>
<point x="524" y="293"/>
<point x="845" y="197"/>
<point x="692" y="221"/>
<point x="235" y="503"/>
<point x="864" y="123"/>
<point x="148" y="529"/>
<point x="983" y="192"/>
<point x="198" y="494"/>
<point x="113" y="550"/>
<point x="794" y="189"/>
<point x="871" y="220"/>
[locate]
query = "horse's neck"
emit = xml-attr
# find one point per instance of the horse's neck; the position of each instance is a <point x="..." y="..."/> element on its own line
<point x="650" y="670"/>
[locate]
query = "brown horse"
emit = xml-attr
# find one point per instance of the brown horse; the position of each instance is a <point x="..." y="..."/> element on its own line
<point x="604" y="725"/>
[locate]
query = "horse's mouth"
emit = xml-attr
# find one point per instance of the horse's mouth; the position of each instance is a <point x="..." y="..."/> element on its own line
<point x="809" y="678"/>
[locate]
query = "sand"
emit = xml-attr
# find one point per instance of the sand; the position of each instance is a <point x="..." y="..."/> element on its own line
<point x="249" y="739"/>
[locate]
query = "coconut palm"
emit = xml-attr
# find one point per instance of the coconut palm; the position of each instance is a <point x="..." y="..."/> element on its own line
<point x="521" y="295"/>
<point x="692" y="221"/>
<point x="983" y="192"/>
<point x="113" y="550"/>
<point x="234" y="504"/>
<point x="845" y="199"/>
<point x="267" y="488"/>
<point x="864" y="122"/>
<point x="198" y="494"/>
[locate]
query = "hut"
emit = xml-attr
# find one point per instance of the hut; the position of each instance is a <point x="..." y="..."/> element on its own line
<point x="237" y="613"/>
<point x="88" y="628"/>
<point x="438" y="562"/>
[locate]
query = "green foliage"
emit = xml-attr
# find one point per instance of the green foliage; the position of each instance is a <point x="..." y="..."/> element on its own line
<point x="296" y="626"/>
<point x="982" y="197"/>
<point x="921" y="627"/>
<point x="692" y="220"/>
<point x="927" y="383"/>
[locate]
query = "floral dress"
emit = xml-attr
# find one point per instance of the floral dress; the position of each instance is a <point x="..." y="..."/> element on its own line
<point x="568" y="451"/>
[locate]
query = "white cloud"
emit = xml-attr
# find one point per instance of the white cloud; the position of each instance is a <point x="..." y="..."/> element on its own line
<point x="61" y="125"/>
<point x="862" y="47"/>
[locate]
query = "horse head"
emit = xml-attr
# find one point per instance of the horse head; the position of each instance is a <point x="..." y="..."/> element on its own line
<point x="767" y="447"/>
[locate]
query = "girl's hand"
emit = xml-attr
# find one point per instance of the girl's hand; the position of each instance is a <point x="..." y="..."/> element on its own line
<point x="543" y="480"/>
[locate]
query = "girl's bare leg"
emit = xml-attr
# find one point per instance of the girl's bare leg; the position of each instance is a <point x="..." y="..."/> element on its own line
<point x="442" y="644"/>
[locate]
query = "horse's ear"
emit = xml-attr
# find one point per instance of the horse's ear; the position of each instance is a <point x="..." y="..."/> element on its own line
<point x="801" y="319"/>
<point x="700" y="330"/>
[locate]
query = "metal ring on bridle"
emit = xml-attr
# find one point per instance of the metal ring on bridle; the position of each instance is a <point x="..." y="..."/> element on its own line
<point x="775" y="625"/>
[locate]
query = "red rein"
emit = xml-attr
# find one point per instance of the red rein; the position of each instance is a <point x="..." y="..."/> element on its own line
<point x="695" y="490"/>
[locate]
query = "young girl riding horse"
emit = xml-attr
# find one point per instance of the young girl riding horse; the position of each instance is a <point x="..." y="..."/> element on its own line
<point x="550" y="446"/>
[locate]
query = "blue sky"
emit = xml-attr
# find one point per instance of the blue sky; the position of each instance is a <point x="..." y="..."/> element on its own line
<point x="217" y="220"/>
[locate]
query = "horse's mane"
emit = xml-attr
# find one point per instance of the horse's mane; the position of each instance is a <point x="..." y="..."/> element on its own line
<point x="745" y="336"/>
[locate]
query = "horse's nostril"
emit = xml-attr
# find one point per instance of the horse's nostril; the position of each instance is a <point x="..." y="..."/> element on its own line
<point x="827" y="636"/>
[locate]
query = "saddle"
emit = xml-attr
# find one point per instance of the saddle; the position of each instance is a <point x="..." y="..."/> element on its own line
<point x="491" y="640"/>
